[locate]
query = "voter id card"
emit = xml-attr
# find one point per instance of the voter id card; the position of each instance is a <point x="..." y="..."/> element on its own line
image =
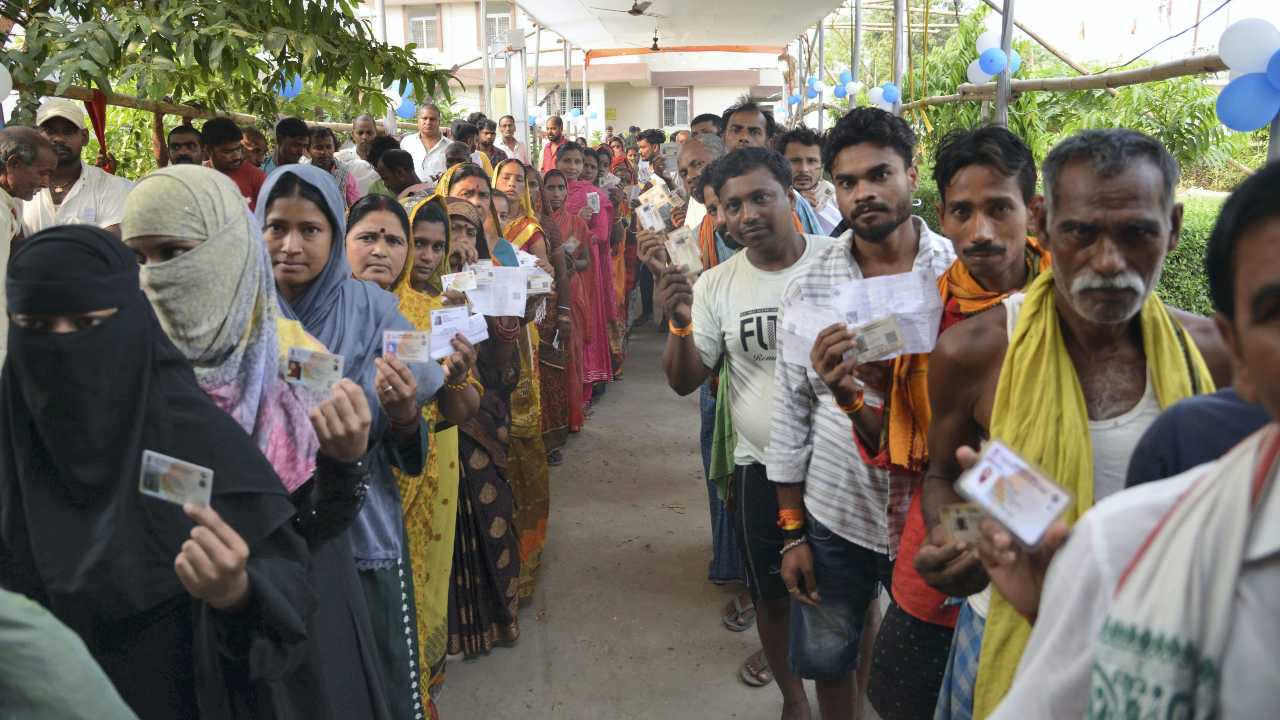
<point x="1010" y="490"/>
<point x="961" y="521"/>
<point x="460" y="281"/>
<point x="407" y="345"/>
<point x="173" y="480"/>
<point x="319" y="371"/>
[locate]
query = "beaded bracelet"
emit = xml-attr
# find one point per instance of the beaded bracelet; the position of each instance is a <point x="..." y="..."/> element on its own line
<point x="685" y="331"/>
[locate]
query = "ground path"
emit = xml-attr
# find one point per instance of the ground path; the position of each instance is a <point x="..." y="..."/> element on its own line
<point x="623" y="623"/>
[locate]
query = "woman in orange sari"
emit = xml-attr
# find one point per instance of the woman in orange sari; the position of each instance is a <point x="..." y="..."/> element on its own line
<point x="576" y="250"/>
<point x="554" y="332"/>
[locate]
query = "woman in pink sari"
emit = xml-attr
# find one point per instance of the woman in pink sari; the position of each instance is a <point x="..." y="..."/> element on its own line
<point x="597" y="364"/>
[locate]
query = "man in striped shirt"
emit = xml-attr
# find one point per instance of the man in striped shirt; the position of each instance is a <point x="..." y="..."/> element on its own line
<point x="842" y="517"/>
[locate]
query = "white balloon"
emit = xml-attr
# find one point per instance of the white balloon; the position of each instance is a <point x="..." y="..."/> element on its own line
<point x="821" y="87"/>
<point x="1246" y="45"/>
<point x="875" y="95"/>
<point x="6" y="82"/>
<point x="976" y="75"/>
<point x="987" y="40"/>
<point x="854" y="87"/>
<point x="886" y="106"/>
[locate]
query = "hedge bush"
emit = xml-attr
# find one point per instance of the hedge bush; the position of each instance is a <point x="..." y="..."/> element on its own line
<point x="1183" y="285"/>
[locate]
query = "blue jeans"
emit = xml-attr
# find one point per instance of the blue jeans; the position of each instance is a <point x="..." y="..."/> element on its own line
<point x="825" y="639"/>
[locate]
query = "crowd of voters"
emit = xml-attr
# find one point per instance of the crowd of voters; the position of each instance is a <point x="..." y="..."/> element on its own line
<point x="359" y="533"/>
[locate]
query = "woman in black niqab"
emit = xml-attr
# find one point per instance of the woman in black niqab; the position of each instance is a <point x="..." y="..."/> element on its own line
<point x="83" y="393"/>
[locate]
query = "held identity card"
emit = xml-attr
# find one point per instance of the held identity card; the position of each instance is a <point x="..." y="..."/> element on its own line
<point x="961" y="521"/>
<point x="173" y="480"/>
<point x="407" y="345"/>
<point x="683" y="250"/>
<point x="316" y="370"/>
<point x="593" y="201"/>
<point x="1013" y="492"/>
<point x="877" y="340"/>
<point x="460" y="281"/>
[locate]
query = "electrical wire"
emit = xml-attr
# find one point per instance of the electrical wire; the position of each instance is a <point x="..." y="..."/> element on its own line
<point x="1171" y="37"/>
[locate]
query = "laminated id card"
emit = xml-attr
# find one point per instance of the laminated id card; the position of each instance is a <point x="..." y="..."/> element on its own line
<point x="1017" y="495"/>
<point x="173" y="480"/>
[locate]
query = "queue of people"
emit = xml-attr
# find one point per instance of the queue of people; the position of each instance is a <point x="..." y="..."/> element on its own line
<point x="358" y="535"/>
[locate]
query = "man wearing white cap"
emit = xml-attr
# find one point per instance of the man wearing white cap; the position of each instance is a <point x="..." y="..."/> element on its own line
<point x="79" y="193"/>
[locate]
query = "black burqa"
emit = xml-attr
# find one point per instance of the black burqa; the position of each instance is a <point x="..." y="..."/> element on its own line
<point x="76" y="412"/>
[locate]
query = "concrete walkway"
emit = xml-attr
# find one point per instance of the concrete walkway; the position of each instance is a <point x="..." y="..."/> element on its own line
<point x="624" y="623"/>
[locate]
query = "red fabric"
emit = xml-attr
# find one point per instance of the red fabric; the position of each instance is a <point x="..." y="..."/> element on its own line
<point x="910" y="591"/>
<point x="249" y="179"/>
<point x="97" y="110"/>
<point x="549" y="154"/>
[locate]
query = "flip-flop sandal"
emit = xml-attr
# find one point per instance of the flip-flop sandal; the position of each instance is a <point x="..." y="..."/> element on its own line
<point x="555" y="458"/>
<point x="755" y="670"/>
<point x="737" y="616"/>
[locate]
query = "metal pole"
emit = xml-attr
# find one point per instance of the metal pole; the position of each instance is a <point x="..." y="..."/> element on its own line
<point x="484" y="50"/>
<point x="899" y="47"/>
<point x="568" y="78"/>
<point x="537" y="63"/>
<point x="1002" y="82"/>
<point x="857" y="38"/>
<point x="586" y="119"/>
<point x="822" y="66"/>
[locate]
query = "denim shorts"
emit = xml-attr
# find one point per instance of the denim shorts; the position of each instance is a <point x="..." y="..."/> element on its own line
<point x="825" y="639"/>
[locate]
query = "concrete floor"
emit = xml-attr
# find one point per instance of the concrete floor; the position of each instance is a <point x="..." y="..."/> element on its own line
<point x="623" y="623"/>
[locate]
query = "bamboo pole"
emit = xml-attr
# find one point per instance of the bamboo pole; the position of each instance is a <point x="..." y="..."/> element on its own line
<point x="1002" y="80"/>
<point x="1198" y="65"/>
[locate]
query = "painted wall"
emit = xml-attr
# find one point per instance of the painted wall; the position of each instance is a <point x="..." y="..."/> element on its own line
<point x="632" y="106"/>
<point x="714" y="99"/>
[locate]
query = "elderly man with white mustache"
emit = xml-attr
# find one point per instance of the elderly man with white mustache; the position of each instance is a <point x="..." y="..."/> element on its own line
<point x="1068" y="375"/>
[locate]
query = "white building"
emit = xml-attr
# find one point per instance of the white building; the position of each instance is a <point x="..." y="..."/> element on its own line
<point x="663" y="90"/>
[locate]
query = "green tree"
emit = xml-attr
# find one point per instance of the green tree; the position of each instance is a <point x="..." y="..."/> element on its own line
<point x="213" y="53"/>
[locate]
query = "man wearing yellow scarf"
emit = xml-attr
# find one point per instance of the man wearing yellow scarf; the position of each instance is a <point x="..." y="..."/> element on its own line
<point x="987" y="182"/>
<point x="1070" y="374"/>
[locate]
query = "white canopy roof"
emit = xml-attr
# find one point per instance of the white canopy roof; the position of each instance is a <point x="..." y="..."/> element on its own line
<point x="710" y="22"/>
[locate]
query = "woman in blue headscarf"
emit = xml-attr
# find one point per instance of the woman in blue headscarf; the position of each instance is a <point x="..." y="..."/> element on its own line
<point x="302" y="214"/>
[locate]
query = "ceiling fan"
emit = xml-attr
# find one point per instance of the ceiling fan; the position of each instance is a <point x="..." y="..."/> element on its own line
<point x="639" y="8"/>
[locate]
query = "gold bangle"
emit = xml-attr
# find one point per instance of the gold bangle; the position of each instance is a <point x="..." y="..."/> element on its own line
<point x="858" y="403"/>
<point x="685" y="331"/>
<point x="457" y="387"/>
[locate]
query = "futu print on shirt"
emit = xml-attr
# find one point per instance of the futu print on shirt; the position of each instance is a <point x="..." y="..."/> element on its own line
<point x="758" y="333"/>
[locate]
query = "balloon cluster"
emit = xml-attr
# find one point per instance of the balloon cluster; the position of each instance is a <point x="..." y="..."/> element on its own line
<point x="1251" y="48"/>
<point x="290" y="89"/>
<point x="884" y="96"/>
<point x="991" y="59"/>
<point x="848" y="87"/>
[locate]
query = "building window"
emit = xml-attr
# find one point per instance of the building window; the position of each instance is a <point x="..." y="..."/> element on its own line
<point x="675" y="106"/>
<point x="424" y="26"/>
<point x="577" y="101"/>
<point x="497" y="23"/>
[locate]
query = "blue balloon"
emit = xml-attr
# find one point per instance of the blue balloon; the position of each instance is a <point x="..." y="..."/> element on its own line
<point x="407" y="109"/>
<point x="811" y="93"/>
<point x="846" y="77"/>
<point x="794" y="100"/>
<point x="813" y="80"/>
<point x="839" y="91"/>
<point x="891" y="93"/>
<point x="1248" y="103"/>
<point x="290" y="89"/>
<point x="1273" y="69"/>
<point x="1015" y="62"/>
<point x="533" y="121"/>
<point x="992" y="61"/>
<point x="594" y="115"/>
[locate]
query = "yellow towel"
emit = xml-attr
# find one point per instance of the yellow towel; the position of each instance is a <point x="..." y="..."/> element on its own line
<point x="1040" y="413"/>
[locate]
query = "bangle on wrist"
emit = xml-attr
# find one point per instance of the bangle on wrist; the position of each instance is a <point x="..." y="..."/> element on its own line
<point x="457" y="387"/>
<point x="859" y="401"/>
<point x="793" y="544"/>
<point x="685" y="331"/>
<point x="791" y="519"/>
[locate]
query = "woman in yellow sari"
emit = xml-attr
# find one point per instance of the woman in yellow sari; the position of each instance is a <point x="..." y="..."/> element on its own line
<point x="530" y="473"/>
<point x="378" y="252"/>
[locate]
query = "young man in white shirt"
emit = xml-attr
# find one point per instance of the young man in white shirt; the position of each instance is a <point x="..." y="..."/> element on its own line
<point x="427" y="146"/>
<point x="802" y="147"/>
<point x="78" y="193"/>
<point x="843" y="517"/>
<point x="509" y="144"/>
<point x="730" y="315"/>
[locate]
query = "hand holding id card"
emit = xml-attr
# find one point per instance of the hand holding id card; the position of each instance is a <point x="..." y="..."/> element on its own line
<point x="173" y="480"/>
<point x="1014" y="493"/>
<point x="319" y="371"/>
